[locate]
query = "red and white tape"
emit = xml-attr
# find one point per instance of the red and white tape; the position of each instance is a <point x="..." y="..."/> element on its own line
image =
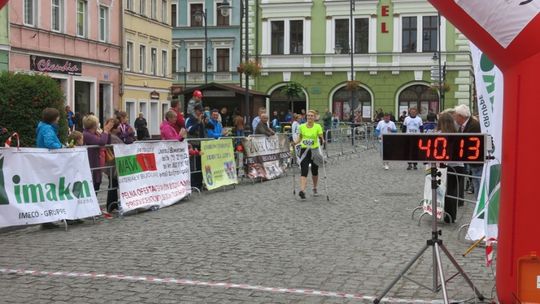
<point x="186" y="282"/>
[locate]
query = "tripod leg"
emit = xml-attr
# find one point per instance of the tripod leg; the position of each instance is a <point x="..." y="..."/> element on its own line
<point x="460" y="270"/>
<point x="441" y="272"/>
<point x="401" y="274"/>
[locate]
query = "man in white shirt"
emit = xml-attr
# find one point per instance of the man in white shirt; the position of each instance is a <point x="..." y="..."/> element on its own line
<point x="412" y="124"/>
<point x="385" y="126"/>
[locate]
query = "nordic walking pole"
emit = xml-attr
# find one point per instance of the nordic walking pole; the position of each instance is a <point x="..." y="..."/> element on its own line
<point x="324" y="172"/>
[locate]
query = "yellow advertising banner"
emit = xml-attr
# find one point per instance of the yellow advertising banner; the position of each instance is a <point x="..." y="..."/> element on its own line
<point x="218" y="165"/>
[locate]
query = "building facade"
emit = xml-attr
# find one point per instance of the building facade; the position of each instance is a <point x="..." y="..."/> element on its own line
<point x="75" y="42"/>
<point x="4" y="39"/>
<point x="199" y="61"/>
<point x="394" y="42"/>
<point x="147" y="53"/>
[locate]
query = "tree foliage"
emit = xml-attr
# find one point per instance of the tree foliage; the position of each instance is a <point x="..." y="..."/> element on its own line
<point x="293" y="90"/>
<point x="22" y="99"/>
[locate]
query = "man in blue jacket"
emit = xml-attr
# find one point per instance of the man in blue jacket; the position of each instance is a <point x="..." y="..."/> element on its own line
<point x="214" y="128"/>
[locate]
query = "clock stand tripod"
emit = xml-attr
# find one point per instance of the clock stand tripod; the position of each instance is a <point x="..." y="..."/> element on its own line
<point x="436" y="243"/>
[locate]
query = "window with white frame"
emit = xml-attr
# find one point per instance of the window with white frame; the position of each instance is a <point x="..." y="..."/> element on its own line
<point x="153" y="61"/>
<point x="129" y="56"/>
<point x="195" y="60"/>
<point x="142" y="8"/>
<point x="153" y="9"/>
<point x="142" y="58"/>
<point x="430" y="25"/>
<point x="296" y="41"/>
<point x="103" y="23"/>
<point x="408" y="34"/>
<point x="82" y="18"/>
<point x="164" y="11"/>
<point x="57" y="15"/>
<point x="223" y="59"/>
<point x="278" y="37"/>
<point x="173" y="61"/>
<point x="129" y="5"/>
<point x="195" y="10"/>
<point x="286" y="37"/>
<point x="30" y="12"/>
<point x="360" y="35"/>
<point x="164" y="63"/>
<point x="173" y="15"/>
<point x="221" y="20"/>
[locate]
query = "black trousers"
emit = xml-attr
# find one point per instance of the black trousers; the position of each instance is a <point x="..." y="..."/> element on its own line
<point x="304" y="164"/>
<point x="454" y="187"/>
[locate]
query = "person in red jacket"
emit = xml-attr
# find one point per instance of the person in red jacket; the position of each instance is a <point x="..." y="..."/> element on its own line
<point x="180" y="121"/>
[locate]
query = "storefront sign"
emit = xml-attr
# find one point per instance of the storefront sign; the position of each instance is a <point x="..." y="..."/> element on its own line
<point x="154" y="95"/>
<point x="385" y="9"/>
<point x="55" y="65"/>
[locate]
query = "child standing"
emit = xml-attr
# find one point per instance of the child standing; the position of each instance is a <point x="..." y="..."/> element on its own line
<point x="385" y="126"/>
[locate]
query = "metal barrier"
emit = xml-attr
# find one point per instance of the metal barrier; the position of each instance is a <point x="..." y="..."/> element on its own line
<point x="455" y="175"/>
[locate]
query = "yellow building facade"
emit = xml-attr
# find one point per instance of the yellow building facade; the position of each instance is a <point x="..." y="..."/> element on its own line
<point x="147" y="75"/>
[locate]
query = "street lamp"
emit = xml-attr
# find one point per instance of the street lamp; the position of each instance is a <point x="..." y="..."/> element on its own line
<point x="224" y="8"/>
<point x="201" y="16"/>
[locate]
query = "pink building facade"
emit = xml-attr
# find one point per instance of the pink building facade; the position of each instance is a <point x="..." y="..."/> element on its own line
<point x="76" y="42"/>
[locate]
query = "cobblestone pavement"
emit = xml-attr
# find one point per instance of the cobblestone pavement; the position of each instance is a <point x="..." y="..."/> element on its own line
<point x="256" y="234"/>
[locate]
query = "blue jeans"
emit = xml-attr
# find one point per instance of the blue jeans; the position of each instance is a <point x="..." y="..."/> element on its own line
<point x="476" y="171"/>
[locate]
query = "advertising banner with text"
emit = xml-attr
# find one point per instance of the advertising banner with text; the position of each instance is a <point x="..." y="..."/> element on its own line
<point x="266" y="156"/>
<point x="152" y="174"/>
<point x="489" y="88"/>
<point x="39" y="186"/>
<point x="218" y="165"/>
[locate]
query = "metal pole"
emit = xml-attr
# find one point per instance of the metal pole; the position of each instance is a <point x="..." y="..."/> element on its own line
<point x="434" y="232"/>
<point x="246" y="58"/>
<point x="441" y="89"/>
<point x="205" y="49"/>
<point x="351" y="51"/>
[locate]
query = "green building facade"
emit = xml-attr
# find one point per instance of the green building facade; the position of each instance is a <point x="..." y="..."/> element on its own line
<point x="394" y="46"/>
<point x="4" y="39"/>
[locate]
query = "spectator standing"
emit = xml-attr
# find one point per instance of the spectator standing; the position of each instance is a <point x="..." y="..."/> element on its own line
<point x="47" y="130"/>
<point x="75" y="138"/>
<point x="94" y="138"/>
<point x="412" y="124"/>
<point x="77" y="121"/>
<point x="275" y="121"/>
<point x="180" y="121"/>
<point x="454" y="183"/>
<point x="431" y="124"/>
<point x="289" y="117"/>
<point x="214" y="128"/>
<point x="195" y="123"/>
<point x="196" y="99"/>
<point x="295" y="128"/>
<point x="69" y="114"/>
<point x="467" y="124"/>
<point x="168" y="128"/>
<point x="226" y="119"/>
<point x="238" y="123"/>
<point x="257" y="119"/>
<point x="112" y="194"/>
<point x="142" y="127"/>
<point x="385" y="126"/>
<point x="262" y="128"/>
<point x="47" y="137"/>
<point x="127" y="134"/>
<point x="402" y="117"/>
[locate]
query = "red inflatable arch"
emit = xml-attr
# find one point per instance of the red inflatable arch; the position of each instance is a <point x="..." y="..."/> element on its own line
<point x="2" y="3"/>
<point x="519" y="225"/>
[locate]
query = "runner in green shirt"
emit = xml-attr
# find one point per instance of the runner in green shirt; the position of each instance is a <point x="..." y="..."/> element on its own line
<point x="310" y="137"/>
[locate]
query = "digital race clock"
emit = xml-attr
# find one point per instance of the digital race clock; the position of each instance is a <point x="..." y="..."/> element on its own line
<point x="435" y="147"/>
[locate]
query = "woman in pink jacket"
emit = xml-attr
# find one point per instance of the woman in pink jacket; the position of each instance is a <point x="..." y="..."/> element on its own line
<point x="167" y="128"/>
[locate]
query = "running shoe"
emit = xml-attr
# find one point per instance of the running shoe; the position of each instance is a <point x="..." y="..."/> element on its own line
<point x="302" y="195"/>
<point x="315" y="193"/>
